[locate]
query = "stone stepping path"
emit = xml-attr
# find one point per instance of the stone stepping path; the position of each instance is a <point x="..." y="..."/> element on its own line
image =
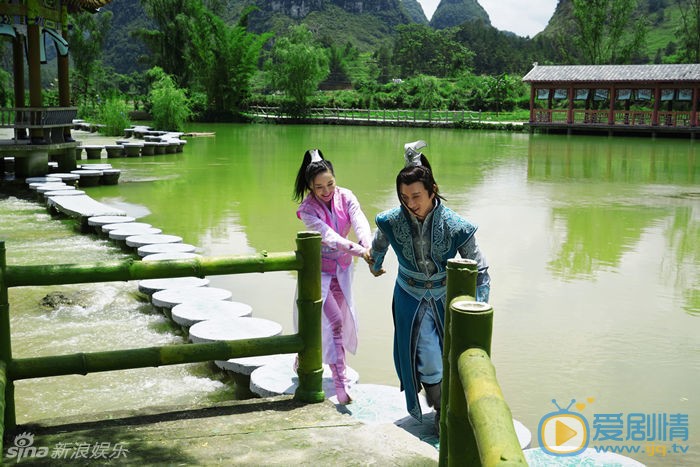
<point x="151" y="286"/>
<point x="123" y="233"/>
<point x="168" y="298"/>
<point x="189" y="313"/>
<point x="138" y="241"/>
<point x="147" y="250"/>
<point x="229" y="329"/>
<point x="246" y="365"/>
<point x="169" y="256"/>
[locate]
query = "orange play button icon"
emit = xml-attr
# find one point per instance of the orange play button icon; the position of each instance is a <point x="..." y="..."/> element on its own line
<point x="563" y="433"/>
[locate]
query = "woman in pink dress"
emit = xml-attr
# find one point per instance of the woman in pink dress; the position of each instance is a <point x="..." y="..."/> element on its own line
<point x="332" y="211"/>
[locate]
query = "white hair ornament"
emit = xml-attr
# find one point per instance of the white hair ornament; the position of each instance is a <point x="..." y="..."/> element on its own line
<point x="412" y="152"/>
<point x="315" y="156"/>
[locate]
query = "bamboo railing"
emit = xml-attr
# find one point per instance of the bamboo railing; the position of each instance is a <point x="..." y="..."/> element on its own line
<point x="413" y="116"/>
<point x="307" y="342"/>
<point x="476" y="428"/>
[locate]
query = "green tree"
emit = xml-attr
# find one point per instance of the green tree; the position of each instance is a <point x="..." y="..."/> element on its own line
<point x="607" y="32"/>
<point x="422" y="50"/>
<point x="170" y="107"/>
<point x="223" y="61"/>
<point x="296" y="66"/>
<point x="86" y="40"/>
<point x="689" y="31"/>
<point x="171" y="42"/>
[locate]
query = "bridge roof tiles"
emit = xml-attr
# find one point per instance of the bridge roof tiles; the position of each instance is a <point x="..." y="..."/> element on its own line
<point x="613" y="73"/>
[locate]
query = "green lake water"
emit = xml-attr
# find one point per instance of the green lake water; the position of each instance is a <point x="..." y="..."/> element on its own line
<point x="593" y="245"/>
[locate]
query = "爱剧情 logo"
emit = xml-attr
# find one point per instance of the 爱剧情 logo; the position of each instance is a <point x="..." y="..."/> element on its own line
<point x="564" y="432"/>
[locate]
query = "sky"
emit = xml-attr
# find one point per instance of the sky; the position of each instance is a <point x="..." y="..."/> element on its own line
<point x="523" y="17"/>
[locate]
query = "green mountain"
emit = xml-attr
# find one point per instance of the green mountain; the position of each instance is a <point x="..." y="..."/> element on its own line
<point x="663" y="18"/>
<point x="365" y="23"/>
<point x="415" y="11"/>
<point x="455" y="12"/>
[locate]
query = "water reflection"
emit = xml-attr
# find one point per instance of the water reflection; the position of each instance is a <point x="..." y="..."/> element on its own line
<point x="596" y="225"/>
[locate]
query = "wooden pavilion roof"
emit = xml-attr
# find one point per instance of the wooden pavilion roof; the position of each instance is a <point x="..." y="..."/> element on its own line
<point x="613" y="73"/>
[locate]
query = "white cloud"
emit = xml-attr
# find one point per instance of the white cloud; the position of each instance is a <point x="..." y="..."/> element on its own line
<point x="523" y="17"/>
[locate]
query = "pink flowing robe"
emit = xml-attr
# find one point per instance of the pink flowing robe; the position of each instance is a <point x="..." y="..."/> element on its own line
<point x="336" y="257"/>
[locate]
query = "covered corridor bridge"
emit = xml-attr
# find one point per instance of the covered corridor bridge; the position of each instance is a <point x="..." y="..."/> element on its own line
<point x="40" y="131"/>
<point x="615" y="98"/>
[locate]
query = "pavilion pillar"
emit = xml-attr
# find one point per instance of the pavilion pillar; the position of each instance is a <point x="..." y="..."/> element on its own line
<point x="611" y="109"/>
<point x="694" y="109"/>
<point x="532" y="103"/>
<point x="63" y="76"/>
<point x="36" y="135"/>
<point x="570" y="111"/>
<point x="655" y="112"/>
<point x="18" y="75"/>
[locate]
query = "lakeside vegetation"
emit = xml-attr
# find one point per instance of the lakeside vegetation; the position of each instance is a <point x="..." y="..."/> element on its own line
<point x="206" y="66"/>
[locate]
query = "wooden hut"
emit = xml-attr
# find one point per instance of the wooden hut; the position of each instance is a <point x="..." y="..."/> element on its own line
<point x="615" y="98"/>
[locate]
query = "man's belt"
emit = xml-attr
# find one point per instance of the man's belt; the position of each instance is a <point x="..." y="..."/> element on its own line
<point x="423" y="284"/>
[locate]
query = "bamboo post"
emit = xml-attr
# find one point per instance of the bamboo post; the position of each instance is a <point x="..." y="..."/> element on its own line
<point x="471" y="325"/>
<point x="3" y="385"/>
<point x="309" y="303"/>
<point x="8" y="389"/>
<point x="489" y="414"/>
<point x="461" y="280"/>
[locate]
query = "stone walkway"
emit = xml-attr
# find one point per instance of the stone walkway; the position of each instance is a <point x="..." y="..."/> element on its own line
<point x="271" y="431"/>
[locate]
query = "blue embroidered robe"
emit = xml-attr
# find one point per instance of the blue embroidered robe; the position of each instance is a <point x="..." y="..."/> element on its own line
<point x="448" y="232"/>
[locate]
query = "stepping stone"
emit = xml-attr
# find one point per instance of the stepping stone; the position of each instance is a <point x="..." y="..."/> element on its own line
<point x="188" y="313"/>
<point x="124" y="233"/>
<point x="230" y="329"/>
<point x="82" y="207"/>
<point x="118" y="225"/>
<point x="66" y="177"/>
<point x="50" y="194"/>
<point x="537" y="456"/>
<point x="246" y="365"/>
<point x="88" y="177"/>
<point x="92" y="151"/>
<point x="166" y="248"/>
<point x="110" y="176"/>
<point x="132" y="149"/>
<point x="137" y="241"/>
<point x="35" y="185"/>
<point x="280" y="378"/>
<point x="95" y="166"/>
<point x="151" y="286"/>
<point x="100" y="221"/>
<point x="114" y="150"/>
<point x="49" y="179"/>
<point x="169" y="256"/>
<point x="168" y="298"/>
<point x="51" y="187"/>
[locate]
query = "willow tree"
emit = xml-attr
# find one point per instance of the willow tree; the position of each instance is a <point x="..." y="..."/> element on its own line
<point x="297" y="65"/>
<point x="607" y="31"/>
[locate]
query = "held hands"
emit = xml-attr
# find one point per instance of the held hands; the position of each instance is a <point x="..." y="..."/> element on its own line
<point x="367" y="255"/>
